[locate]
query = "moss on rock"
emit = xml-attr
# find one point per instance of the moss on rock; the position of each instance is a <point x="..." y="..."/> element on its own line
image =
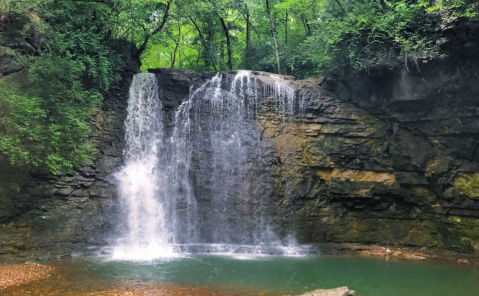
<point x="468" y="184"/>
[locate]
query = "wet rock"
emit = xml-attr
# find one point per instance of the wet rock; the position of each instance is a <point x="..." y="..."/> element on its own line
<point x="64" y="191"/>
<point x="396" y="159"/>
<point x="81" y="192"/>
<point x="343" y="291"/>
<point x="50" y="190"/>
<point x="102" y="192"/>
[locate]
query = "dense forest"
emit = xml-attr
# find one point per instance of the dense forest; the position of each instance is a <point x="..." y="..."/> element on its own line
<point x="59" y="57"/>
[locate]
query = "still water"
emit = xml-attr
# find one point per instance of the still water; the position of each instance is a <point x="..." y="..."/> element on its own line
<point x="246" y="275"/>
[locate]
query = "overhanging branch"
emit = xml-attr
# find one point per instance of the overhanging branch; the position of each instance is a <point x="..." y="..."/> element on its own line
<point x="142" y="47"/>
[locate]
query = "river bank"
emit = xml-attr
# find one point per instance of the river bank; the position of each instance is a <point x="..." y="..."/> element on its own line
<point x="400" y="253"/>
<point x="14" y="275"/>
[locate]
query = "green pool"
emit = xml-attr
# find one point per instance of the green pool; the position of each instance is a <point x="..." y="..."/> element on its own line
<point x="247" y="275"/>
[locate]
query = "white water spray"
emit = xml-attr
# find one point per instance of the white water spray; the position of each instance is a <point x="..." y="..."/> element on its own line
<point x="139" y="188"/>
<point x="202" y="189"/>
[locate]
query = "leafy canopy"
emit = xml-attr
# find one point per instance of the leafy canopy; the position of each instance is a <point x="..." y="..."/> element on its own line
<point x="72" y="52"/>
<point x="46" y="121"/>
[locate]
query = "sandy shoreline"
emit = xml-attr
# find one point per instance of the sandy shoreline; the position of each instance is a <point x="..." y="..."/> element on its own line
<point x="60" y="287"/>
<point x="17" y="274"/>
<point x="25" y="279"/>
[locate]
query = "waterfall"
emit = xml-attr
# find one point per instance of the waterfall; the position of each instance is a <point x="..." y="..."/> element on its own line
<point x="206" y="187"/>
<point x="142" y="176"/>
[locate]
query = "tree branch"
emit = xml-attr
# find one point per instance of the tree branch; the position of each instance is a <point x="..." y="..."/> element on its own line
<point x="275" y="37"/>
<point x="228" y="41"/>
<point x="252" y="27"/>
<point x="203" y="41"/>
<point x="142" y="47"/>
<point x="339" y="3"/>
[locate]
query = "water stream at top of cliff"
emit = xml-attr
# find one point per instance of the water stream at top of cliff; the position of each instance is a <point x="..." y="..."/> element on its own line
<point x="204" y="186"/>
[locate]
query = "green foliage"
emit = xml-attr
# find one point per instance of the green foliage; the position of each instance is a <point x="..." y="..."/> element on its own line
<point x="47" y="122"/>
<point x="21" y="125"/>
<point x="47" y="125"/>
<point x="315" y="36"/>
<point x="57" y="81"/>
<point x="464" y="8"/>
<point x="370" y="34"/>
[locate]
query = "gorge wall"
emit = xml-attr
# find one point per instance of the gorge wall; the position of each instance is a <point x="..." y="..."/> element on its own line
<point x="38" y="209"/>
<point x="391" y="155"/>
<point x="388" y="157"/>
<point x="394" y="170"/>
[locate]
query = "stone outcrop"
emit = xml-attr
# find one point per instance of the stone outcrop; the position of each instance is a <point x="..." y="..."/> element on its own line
<point x="17" y="33"/>
<point x="175" y="89"/>
<point x="387" y="156"/>
<point x="343" y="291"/>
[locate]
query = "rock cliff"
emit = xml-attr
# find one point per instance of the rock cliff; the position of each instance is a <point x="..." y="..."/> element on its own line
<point x="38" y="209"/>
<point x="388" y="158"/>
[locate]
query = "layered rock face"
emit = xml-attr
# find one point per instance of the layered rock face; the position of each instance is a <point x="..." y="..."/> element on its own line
<point x="395" y="164"/>
<point x="40" y="210"/>
<point x="366" y="165"/>
<point x="400" y="173"/>
<point x="386" y="157"/>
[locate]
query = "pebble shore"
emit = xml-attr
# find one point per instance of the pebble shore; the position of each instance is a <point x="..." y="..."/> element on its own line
<point x="18" y="274"/>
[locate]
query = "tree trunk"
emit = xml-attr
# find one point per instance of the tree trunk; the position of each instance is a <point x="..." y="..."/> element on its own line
<point x="248" y="33"/>
<point x="286" y="28"/>
<point x="176" y="48"/>
<point x="205" y="45"/>
<point x="228" y="42"/>
<point x="274" y="35"/>
<point x="222" y="55"/>
<point x="307" y="27"/>
<point x="173" y="57"/>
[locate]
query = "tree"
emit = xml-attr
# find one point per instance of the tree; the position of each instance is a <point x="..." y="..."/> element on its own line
<point x="46" y="123"/>
<point x="70" y="52"/>
<point x="275" y="37"/>
<point x="157" y="30"/>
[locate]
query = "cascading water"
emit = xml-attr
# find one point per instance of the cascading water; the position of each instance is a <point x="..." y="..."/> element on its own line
<point x="140" y="179"/>
<point x="205" y="187"/>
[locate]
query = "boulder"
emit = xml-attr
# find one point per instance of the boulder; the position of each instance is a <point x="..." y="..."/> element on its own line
<point x="342" y="291"/>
